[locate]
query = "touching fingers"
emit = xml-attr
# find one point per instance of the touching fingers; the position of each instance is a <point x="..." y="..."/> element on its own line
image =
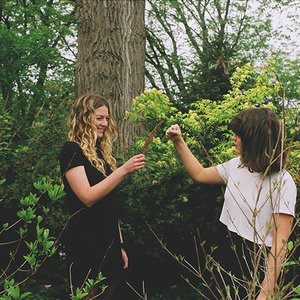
<point x="136" y="162"/>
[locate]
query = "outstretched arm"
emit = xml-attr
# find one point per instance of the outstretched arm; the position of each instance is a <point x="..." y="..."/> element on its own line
<point x="89" y="195"/>
<point x="194" y="168"/>
<point x="281" y="232"/>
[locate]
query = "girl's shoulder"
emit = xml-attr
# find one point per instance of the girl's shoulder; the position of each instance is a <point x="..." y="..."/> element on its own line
<point x="236" y="160"/>
<point x="70" y="147"/>
<point x="71" y="156"/>
<point x="233" y="163"/>
<point x="284" y="176"/>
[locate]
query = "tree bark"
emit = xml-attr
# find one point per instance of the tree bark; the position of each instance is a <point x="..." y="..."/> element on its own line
<point x="111" y="56"/>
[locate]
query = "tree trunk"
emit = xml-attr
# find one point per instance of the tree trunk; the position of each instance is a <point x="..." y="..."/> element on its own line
<point x="111" y="56"/>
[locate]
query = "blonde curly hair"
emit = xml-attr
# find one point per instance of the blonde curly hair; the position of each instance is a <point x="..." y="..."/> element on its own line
<point x="83" y="131"/>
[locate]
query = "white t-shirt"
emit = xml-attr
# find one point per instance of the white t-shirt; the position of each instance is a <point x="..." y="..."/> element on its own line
<point x="250" y="201"/>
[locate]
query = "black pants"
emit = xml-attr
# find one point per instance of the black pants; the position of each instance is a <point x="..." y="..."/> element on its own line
<point x="79" y="273"/>
<point x="116" y="290"/>
<point x="235" y="269"/>
<point x="108" y="294"/>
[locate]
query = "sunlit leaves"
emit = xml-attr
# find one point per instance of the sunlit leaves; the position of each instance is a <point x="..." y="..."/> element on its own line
<point x="150" y="108"/>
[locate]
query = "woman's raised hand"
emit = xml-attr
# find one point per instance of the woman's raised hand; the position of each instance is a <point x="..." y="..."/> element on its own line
<point x="133" y="164"/>
<point x="174" y="133"/>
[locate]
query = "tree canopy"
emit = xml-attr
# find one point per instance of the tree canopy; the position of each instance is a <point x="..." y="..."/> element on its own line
<point x="194" y="46"/>
<point x="205" y="61"/>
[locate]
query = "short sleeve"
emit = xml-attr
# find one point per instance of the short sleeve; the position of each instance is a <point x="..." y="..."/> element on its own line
<point x="285" y="195"/>
<point x="223" y="170"/>
<point x="71" y="156"/>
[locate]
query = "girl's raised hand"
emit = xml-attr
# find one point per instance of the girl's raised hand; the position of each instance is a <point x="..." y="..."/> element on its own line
<point x="174" y="133"/>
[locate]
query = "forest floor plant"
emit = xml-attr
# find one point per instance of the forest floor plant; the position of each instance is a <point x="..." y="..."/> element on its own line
<point x="31" y="244"/>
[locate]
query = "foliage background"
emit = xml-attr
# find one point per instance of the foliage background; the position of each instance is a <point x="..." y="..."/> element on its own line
<point x="36" y="77"/>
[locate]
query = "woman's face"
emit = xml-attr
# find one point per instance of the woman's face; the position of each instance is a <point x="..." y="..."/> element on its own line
<point x="101" y="120"/>
<point x="237" y="143"/>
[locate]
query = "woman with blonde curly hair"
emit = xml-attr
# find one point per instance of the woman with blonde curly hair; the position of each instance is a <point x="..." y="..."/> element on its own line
<point x="93" y="240"/>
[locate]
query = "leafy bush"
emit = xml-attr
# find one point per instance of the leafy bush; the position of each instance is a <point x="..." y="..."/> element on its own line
<point x="27" y="241"/>
<point x="162" y="196"/>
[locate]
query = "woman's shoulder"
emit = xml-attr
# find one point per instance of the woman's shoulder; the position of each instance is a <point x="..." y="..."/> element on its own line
<point x="234" y="162"/>
<point x="284" y="185"/>
<point x="70" y="146"/>
<point x="283" y="176"/>
<point x="228" y="167"/>
<point x="71" y="155"/>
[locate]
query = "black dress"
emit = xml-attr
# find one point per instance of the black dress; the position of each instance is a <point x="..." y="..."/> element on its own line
<point x="92" y="238"/>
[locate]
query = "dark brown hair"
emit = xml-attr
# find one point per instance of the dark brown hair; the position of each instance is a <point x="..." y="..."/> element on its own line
<point x="260" y="133"/>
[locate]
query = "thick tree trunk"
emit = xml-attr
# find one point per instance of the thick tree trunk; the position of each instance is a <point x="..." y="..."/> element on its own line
<point x="111" y="56"/>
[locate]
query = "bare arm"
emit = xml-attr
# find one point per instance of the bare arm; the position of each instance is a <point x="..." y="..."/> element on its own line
<point x="123" y="251"/>
<point x="89" y="195"/>
<point x="276" y="258"/>
<point x="194" y="168"/>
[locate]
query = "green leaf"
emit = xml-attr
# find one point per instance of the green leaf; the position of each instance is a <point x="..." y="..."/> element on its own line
<point x="289" y="263"/>
<point x="46" y="210"/>
<point x="14" y="292"/>
<point x="32" y="246"/>
<point x="297" y="290"/>
<point x="46" y="233"/>
<point x="25" y="295"/>
<point x="27" y="215"/>
<point x="56" y="192"/>
<point x="290" y="245"/>
<point x="31" y="260"/>
<point x="22" y="232"/>
<point x="30" y="200"/>
<point x="52" y="251"/>
<point x="42" y="185"/>
<point x="79" y="295"/>
<point x="39" y="219"/>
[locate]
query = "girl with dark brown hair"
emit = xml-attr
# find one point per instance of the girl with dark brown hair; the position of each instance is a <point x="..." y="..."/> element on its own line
<point x="259" y="200"/>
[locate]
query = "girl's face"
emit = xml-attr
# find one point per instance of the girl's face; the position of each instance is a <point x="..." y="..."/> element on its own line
<point x="101" y="120"/>
<point x="237" y="143"/>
